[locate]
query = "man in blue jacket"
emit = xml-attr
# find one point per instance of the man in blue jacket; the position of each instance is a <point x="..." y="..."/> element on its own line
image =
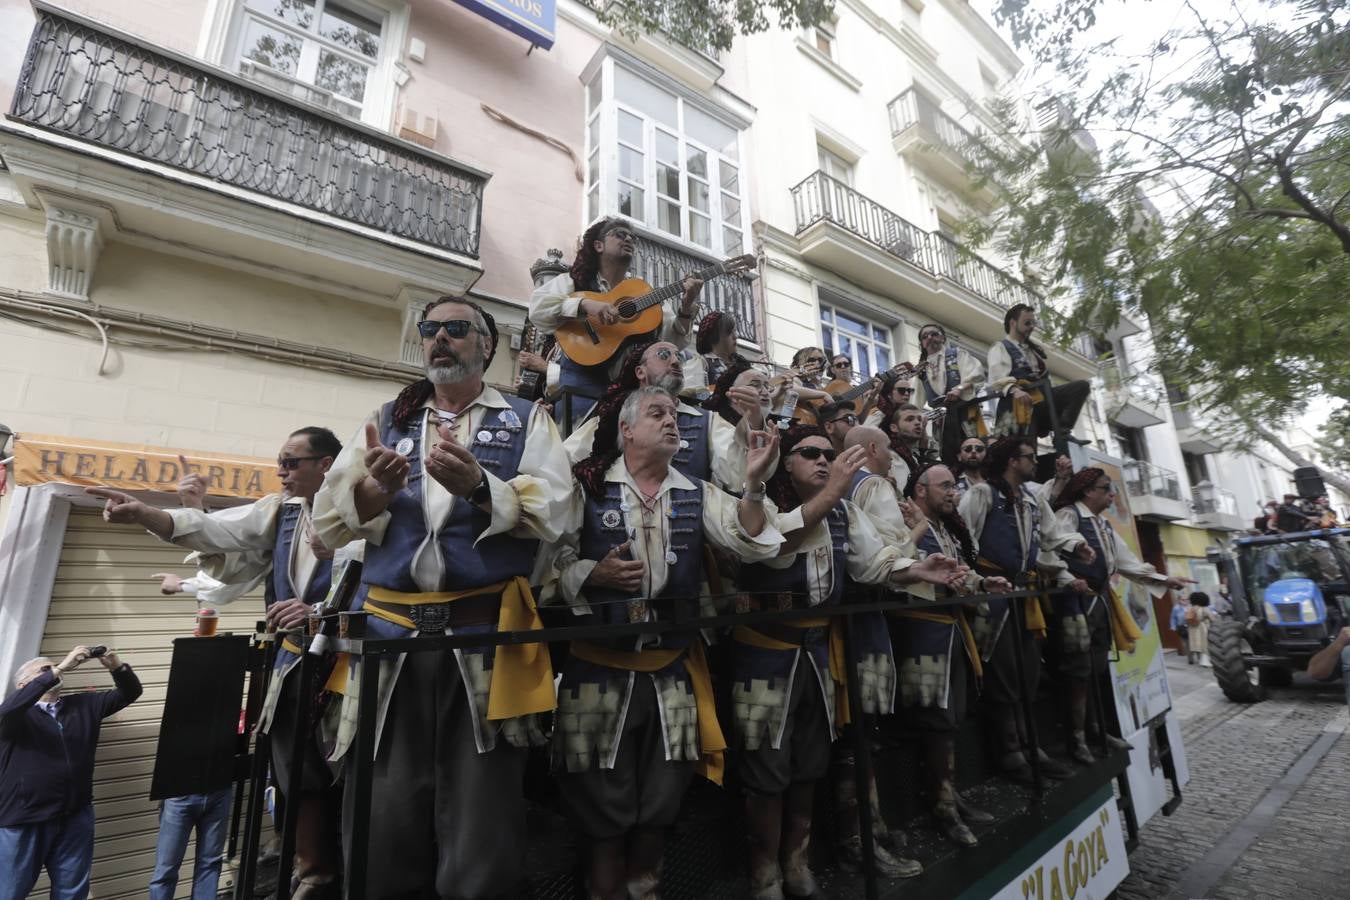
<point x="47" y="747"/>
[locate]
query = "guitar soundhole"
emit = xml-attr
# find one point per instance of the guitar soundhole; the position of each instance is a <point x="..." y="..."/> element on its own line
<point x="626" y="309"/>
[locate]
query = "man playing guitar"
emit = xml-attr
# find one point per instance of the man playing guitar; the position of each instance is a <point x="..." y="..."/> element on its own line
<point x="602" y="261"/>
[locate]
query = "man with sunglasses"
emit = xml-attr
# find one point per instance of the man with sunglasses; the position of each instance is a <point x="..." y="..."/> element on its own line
<point x="785" y="722"/>
<point x="950" y="378"/>
<point x="837" y="419"/>
<point x="898" y="393"/>
<point x="1019" y="539"/>
<point x="452" y="485"/>
<point x="1083" y="626"/>
<point x="1019" y="372"/>
<point x="711" y="448"/>
<point x="969" y="467"/>
<point x="269" y="541"/>
<point x="603" y="259"/>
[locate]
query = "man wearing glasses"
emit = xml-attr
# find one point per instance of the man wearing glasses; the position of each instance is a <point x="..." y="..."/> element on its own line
<point x="269" y="541"/>
<point x="950" y="378"/>
<point x="453" y="486"/>
<point x="970" y="464"/>
<point x="837" y="419"/>
<point x="897" y="392"/>
<point x="1018" y="371"/>
<point x="603" y="259"/>
<point x="841" y="368"/>
<point x="1017" y="538"/>
<point x="1084" y="625"/>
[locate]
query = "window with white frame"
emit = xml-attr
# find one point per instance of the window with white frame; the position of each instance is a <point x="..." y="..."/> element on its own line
<point x="866" y="342"/>
<point x="834" y="165"/>
<point x="320" y="51"/>
<point x="822" y="37"/>
<point x="656" y="158"/>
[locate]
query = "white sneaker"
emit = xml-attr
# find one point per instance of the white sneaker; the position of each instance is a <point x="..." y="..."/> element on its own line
<point x="1204" y="661"/>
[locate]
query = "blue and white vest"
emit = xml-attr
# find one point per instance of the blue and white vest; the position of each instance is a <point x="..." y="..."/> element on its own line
<point x="278" y="585"/>
<point x="759" y="577"/>
<point x="496" y="558"/>
<point x="1094" y="573"/>
<point x="1022" y="367"/>
<point x="694" y="458"/>
<point x="951" y="372"/>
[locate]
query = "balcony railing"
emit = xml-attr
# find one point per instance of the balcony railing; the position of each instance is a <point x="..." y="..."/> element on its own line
<point x="1212" y="500"/>
<point x="95" y="87"/>
<point x="1144" y="479"/>
<point x="822" y="197"/>
<point x="660" y="264"/>
<point x="912" y="108"/>
<point x="1144" y="387"/>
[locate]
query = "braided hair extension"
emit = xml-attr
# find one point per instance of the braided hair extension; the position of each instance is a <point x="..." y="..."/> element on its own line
<point x="996" y="462"/>
<point x="1011" y="316"/>
<point x="412" y="397"/>
<point x="587" y="262"/>
<point x="955" y="525"/>
<point x="1078" y="485"/>
<point x="590" y="472"/>
<point x="717" y="400"/>
<point x="779" y="487"/>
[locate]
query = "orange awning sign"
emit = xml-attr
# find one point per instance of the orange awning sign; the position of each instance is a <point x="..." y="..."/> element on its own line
<point x="40" y="458"/>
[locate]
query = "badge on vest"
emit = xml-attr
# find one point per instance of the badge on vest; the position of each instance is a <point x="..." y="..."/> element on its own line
<point x="503" y="436"/>
<point x="610" y="518"/>
<point x="484" y="437"/>
<point x="509" y="418"/>
<point x="404" y="446"/>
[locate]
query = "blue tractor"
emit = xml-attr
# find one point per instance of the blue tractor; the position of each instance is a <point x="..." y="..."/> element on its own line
<point x="1291" y="595"/>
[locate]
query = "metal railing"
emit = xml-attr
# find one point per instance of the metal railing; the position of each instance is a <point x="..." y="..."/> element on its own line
<point x="93" y="86"/>
<point x="1144" y="479"/>
<point x="1214" y="500"/>
<point x="1144" y="387"/>
<point x="822" y="197"/>
<point x="659" y="264"/>
<point x="912" y="108"/>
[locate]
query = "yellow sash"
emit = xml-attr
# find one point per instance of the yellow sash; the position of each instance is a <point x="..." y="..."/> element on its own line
<point x="1031" y="605"/>
<point x="288" y="644"/>
<point x="1022" y="408"/>
<point x="522" y="676"/>
<point x="974" y="417"/>
<point x="838" y="670"/>
<point x="712" y="744"/>
<point x="1123" y="630"/>
<point x="942" y="618"/>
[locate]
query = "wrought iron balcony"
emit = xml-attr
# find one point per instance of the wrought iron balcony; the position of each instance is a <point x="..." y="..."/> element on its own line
<point x="915" y="110"/>
<point x="1144" y="479"/>
<point x="821" y="197"/>
<point x="658" y="264"/>
<point x="96" y="87"/>
<point x="1215" y="507"/>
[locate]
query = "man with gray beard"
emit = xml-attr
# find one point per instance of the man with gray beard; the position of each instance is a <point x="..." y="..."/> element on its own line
<point x="452" y="485"/>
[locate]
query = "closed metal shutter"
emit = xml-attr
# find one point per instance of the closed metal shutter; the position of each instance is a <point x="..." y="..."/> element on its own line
<point x="104" y="594"/>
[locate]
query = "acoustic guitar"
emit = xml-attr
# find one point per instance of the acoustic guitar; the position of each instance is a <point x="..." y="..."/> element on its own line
<point x="589" y="343"/>
<point x="844" y="392"/>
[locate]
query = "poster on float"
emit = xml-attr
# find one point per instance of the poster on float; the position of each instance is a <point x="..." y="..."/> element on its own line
<point x="1089" y="862"/>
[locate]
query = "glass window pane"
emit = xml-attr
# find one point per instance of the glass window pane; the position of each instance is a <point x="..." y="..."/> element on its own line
<point x="630" y="129"/>
<point x="278" y="50"/>
<point x="297" y="12"/>
<point x="709" y="131"/>
<point x="845" y="345"/>
<point x="667" y="148"/>
<point x="826" y="313"/>
<point x="849" y="323"/>
<point x="595" y="92"/>
<point x="630" y="164"/>
<point x="350" y="29"/>
<point x="731" y="240"/>
<point x="343" y="76"/>
<point x="644" y="96"/>
<point x="700" y="229"/>
<point x="668" y="217"/>
<point x="698" y="194"/>
<point x="883" y="358"/>
<point x="630" y="201"/>
<point x="593" y="133"/>
<point x="731" y="177"/>
<point x="593" y="168"/>
<point x="696" y="161"/>
<point x="863" y="363"/>
<point x="880" y="336"/>
<point x="668" y="181"/>
<point x="731" y="209"/>
<point x="593" y="204"/>
<point x="827" y="337"/>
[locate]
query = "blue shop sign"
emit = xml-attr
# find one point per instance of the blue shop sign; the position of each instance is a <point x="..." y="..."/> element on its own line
<point x="534" y="20"/>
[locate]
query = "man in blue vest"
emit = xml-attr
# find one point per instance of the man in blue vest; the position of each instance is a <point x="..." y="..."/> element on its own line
<point x="1018" y="372"/>
<point x="1085" y="625"/>
<point x="1017" y="538"/>
<point x="636" y="714"/>
<point x="950" y="378"/>
<point x="452" y="485"/>
<point x="271" y="541"/>
<point x="603" y="260"/>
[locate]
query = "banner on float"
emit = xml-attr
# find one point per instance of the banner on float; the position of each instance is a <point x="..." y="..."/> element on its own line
<point x="1087" y="864"/>
<point x="41" y="459"/>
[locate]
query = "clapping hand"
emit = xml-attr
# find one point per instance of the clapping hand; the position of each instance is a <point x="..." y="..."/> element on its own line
<point x="761" y="456"/>
<point x="452" y="465"/>
<point x="385" y="466"/>
<point x="842" y="470"/>
<point x="191" y="487"/>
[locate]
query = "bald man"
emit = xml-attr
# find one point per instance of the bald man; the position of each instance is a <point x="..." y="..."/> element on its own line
<point x="47" y="746"/>
<point x="874" y="491"/>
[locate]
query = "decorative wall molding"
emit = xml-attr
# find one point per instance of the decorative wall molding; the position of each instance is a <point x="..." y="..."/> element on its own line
<point x="74" y="242"/>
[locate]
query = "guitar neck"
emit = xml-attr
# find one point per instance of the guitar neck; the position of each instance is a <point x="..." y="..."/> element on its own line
<point x="662" y="294"/>
<point x="854" y="393"/>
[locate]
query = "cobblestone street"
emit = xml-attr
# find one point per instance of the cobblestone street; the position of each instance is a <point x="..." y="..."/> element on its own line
<point x="1263" y="815"/>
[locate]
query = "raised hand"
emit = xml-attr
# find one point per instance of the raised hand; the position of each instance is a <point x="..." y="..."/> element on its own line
<point x="191" y="487"/>
<point x="612" y="571"/>
<point x="761" y="456"/>
<point x="691" y="286"/>
<point x="169" y="583"/>
<point x="110" y="660"/>
<point x="911" y="513"/>
<point x="453" y="466"/>
<point x="842" y="470"/>
<point x="746" y="402"/>
<point x="121" y="508"/>
<point x="386" y="467"/>
<point x="77" y="655"/>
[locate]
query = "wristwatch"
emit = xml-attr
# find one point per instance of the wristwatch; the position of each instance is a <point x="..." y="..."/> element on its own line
<point x="483" y="492"/>
<point x="755" y="494"/>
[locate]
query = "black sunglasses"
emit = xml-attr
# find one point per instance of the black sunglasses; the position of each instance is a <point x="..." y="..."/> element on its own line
<point x="850" y="418"/>
<point x="291" y="463"/>
<point x="456" y="328"/>
<point x="842" y="364"/>
<point x="813" y="453"/>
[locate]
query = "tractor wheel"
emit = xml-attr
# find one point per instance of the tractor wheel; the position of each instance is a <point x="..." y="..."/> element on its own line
<point x="1274" y="676"/>
<point x="1230" y="670"/>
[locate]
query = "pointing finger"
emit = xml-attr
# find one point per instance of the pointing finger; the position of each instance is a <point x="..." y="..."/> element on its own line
<point x="372" y="436"/>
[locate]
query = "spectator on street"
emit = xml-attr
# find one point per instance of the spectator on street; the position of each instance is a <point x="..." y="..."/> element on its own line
<point x="47" y="744"/>
<point x="1179" y="610"/>
<point x="210" y="815"/>
<point x="1198" y="617"/>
